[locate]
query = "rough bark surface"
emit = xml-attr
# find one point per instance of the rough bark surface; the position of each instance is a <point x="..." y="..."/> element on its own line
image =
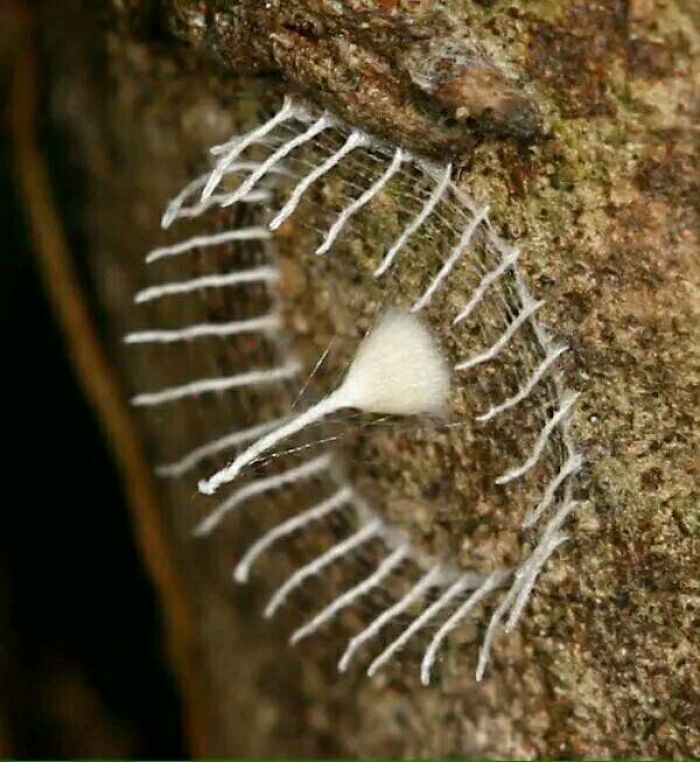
<point x="577" y="121"/>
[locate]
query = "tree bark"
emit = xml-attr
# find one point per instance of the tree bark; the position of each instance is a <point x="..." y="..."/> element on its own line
<point x="580" y="130"/>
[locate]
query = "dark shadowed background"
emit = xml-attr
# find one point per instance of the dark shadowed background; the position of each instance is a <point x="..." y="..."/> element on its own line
<point x="82" y="669"/>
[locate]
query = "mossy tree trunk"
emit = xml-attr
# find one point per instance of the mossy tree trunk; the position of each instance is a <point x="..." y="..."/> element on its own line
<point x="590" y="163"/>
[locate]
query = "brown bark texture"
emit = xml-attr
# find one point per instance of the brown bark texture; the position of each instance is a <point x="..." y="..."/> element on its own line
<point x="578" y="122"/>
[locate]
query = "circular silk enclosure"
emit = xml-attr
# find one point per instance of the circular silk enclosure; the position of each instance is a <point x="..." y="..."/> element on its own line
<point x="398" y="373"/>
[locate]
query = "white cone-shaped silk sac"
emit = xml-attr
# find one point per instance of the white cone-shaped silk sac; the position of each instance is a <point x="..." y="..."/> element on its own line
<point x="398" y="369"/>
